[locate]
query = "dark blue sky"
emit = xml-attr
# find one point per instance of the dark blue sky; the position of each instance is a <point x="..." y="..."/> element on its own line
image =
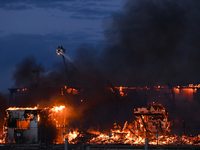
<point x="38" y="27"/>
<point x="129" y="42"/>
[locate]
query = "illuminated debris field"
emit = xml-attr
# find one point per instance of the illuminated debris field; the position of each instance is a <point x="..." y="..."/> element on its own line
<point x="33" y="125"/>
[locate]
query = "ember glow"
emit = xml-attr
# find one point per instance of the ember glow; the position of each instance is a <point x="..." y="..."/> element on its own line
<point x="38" y="116"/>
<point x="57" y="108"/>
<point x="151" y="122"/>
<point x="22" y="108"/>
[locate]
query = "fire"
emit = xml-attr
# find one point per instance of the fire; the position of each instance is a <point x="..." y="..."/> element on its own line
<point x="145" y="126"/>
<point x="38" y="116"/>
<point x="57" y="115"/>
<point x="57" y="109"/>
<point x="21" y="108"/>
<point x="151" y="122"/>
<point x="72" y="135"/>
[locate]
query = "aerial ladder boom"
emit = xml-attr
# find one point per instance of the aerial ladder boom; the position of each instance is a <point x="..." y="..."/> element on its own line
<point x="61" y="51"/>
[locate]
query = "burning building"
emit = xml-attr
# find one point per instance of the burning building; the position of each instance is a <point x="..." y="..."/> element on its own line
<point x="154" y="119"/>
<point x="21" y="125"/>
<point x="49" y="126"/>
<point x="34" y="125"/>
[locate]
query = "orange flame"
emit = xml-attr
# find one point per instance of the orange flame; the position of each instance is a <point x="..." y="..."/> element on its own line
<point x="133" y="133"/>
<point x="22" y="108"/>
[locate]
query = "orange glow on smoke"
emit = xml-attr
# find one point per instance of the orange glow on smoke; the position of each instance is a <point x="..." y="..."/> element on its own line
<point x="176" y="90"/>
<point x="187" y="93"/>
<point x="133" y="133"/>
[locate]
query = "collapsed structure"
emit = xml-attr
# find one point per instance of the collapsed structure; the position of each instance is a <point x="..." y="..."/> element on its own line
<point x="27" y="125"/>
<point x="154" y="119"/>
<point x="33" y="125"/>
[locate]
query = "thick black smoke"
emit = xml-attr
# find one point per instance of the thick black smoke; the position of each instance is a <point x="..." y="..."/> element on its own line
<point x="154" y="42"/>
<point x="42" y="84"/>
<point x="149" y="42"/>
<point x="95" y="104"/>
<point x="22" y="74"/>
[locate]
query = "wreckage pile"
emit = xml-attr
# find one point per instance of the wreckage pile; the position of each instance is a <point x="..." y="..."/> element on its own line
<point x="27" y="125"/>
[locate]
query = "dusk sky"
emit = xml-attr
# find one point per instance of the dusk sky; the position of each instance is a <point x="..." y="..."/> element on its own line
<point x="109" y="43"/>
<point x="38" y="27"/>
<point x="127" y="42"/>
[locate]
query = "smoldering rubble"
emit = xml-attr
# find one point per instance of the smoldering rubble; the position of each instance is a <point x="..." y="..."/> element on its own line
<point x="147" y="43"/>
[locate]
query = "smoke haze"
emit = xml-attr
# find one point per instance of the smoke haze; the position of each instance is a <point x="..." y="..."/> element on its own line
<point x="149" y="42"/>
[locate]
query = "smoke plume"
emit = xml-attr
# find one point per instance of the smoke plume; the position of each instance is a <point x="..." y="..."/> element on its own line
<point x="149" y="42"/>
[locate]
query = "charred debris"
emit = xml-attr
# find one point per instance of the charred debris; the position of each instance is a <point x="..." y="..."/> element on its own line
<point x="94" y="106"/>
<point x="120" y="104"/>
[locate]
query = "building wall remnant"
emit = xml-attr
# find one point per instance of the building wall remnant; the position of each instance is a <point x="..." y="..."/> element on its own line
<point x="21" y="126"/>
